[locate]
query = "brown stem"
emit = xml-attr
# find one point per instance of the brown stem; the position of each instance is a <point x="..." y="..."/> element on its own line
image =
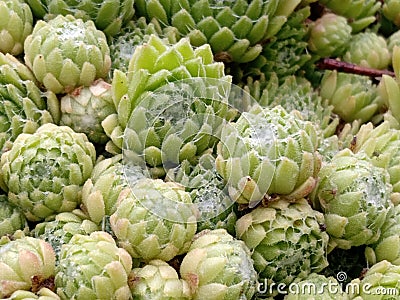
<point x="341" y="66"/>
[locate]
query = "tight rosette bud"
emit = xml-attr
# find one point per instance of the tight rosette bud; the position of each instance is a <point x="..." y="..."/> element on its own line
<point x="286" y="240"/>
<point x="368" y="49"/>
<point x="158" y="280"/>
<point x="355" y="198"/>
<point x="353" y="97"/>
<point x="86" y="107"/>
<point x="360" y="12"/>
<point x="219" y="266"/>
<point x="65" y="53"/>
<point x="93" y="267"/>
<point x="154" y="220"/>
<point x="44" y="172"/>
<point x="329" y="35"/>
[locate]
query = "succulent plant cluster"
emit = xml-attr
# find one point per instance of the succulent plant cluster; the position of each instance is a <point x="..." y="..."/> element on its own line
<point x="212" y="149"/>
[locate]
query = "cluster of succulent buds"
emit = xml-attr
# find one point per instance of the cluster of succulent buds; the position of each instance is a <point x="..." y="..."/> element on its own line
<point x="212" y="149"/>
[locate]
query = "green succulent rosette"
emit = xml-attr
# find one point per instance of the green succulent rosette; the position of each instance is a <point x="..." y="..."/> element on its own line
<point x="93" y="267"/>
<point x="381" y="282"/>
<point x="368" y="49"/>
<point x="154" y="220"/>
<point x="177" y="122"/>
<point x="44" y="172"/>
<point x="208" y="191"/>
<point x="134" y="34"/>
<point x="23" y="106"/>
<point x="354" y="196"/>
<point x="86" y="107"/>
<point x="16" y="25"/>
<point x="317" y="287"/>
<point x="219" y="266"/>
<point x="287" y="241"/>
<point x="11" y="218"/>
<point x="329" y="35"/>
<point x="381" y="146"/>
<point x="353" y="97"/>
<point x="295" y="93"/>
<point x="158" y="280"/>
<point x="234" y="30"/>
<point x="152" y="67"/>
<point x="285" y="54"/>
<point x="268" y="153"/>
<point x="26" y="263"/>
<point x="108" y="16"/>
<point x="64" y="226"/>
<point x="362" y="13"/>
<point x="67" y="52"/>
